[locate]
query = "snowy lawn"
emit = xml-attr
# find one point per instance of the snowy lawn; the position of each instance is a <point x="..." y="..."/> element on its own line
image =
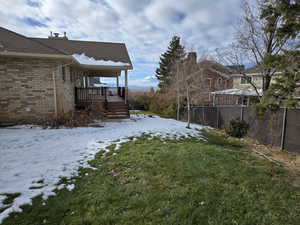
<point x="33" y="160"/>
<point x="210" y="180"/>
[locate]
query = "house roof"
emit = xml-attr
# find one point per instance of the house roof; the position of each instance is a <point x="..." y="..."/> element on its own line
<point x="116" y="52"/>
<point x="13" y="42"/>
<point x="215" y="67"/>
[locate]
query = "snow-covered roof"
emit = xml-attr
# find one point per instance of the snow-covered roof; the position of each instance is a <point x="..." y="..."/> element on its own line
<point x="85" y="60"/>
<point x="242" y="92"/>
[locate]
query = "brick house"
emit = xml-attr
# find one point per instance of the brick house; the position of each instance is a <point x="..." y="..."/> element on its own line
<point x="43" y="78"/>
<point x="211" y="76"/>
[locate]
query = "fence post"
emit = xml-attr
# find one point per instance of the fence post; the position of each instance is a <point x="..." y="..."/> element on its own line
<point x="203" y="115"/>
<point x="242" y="112"/>
<point x="283" y="130"/>
<point x="217" y="117"/>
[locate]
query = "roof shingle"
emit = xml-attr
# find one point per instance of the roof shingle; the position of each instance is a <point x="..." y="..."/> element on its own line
<point x="13" y="42"/>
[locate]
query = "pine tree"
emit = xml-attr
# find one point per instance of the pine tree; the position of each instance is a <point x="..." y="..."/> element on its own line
<point x="283" y="91"/>
<point x="174" y="53"/>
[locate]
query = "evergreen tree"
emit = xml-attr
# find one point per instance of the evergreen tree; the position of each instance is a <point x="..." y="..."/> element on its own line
<point x="282" y="91"/>
<point x="174" y="53"/>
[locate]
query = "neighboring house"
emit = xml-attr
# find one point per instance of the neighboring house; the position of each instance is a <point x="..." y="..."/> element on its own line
<point x="242" y="92"/>
<point x="212" y="77"/>
<point x="44" y="78"/>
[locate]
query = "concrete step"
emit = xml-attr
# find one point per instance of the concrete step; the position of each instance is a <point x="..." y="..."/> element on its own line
<point x="117" y="116"/>
<point x="116" y="113"/>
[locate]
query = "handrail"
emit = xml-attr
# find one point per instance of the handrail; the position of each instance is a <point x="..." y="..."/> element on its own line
<point x="94" y="93"/>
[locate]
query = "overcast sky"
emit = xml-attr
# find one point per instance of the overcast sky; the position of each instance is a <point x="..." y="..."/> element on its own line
<point x="146" y="26"/>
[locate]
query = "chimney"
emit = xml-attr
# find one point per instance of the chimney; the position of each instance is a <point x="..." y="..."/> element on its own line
<point x="56" y="36"/>
<point x="65" y="35"/>
<point x="192" y="57"/>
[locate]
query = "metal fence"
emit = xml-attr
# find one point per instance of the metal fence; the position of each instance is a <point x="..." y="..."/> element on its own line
<point x="280" y="130"/>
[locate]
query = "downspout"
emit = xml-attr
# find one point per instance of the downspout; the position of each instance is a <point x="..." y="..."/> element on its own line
<point x="55" y="94"/>
<point x="55" y="89"/>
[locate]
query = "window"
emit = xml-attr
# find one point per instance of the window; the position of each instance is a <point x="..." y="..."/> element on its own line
<point x="227" y="84"/>
<point x="208" y="82"/>
<point x="71" y="74"/>
<point x="220" y="81"/>
<point x="246" y="80"/>
<point x="63" y="72"/>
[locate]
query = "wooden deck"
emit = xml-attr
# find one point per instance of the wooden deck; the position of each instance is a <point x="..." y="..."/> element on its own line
<point x="111" y="101"/>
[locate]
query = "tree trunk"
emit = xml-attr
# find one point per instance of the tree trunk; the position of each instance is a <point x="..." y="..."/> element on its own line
<point x="178" y="94"/>
<point x="188" y="108"/>
<point x="267" y="82"/>
<point x="178" y="106"/>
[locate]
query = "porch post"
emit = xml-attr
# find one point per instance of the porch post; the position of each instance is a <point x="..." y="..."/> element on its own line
<point x="117" y="82"/>
<point x="126" y="86"/>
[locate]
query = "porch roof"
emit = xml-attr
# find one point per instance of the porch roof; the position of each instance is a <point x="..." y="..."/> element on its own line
<point x="98" y="67"/>
<point x="238" y="92"/>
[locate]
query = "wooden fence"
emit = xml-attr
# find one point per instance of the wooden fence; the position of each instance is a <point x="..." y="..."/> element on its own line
<point x="281" y="129"/>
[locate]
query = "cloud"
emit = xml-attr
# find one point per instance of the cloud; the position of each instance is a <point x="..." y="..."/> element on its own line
<point x="146" y="26"/>
<point x="33" y="22"/>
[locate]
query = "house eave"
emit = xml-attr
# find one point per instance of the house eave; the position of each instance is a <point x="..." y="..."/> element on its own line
<point x="35" y="55"/>
<point x="251" y="74"/>
<point x="104" y="68"/>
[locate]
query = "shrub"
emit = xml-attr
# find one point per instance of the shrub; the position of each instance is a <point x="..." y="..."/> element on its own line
<point x="237" y="128"/>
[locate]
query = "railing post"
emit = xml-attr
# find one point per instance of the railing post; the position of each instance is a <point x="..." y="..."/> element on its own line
<point x="105" y="97"/>
<point x="126" y="86"/>
<point x="283" y="130"/>
<point x="76" y="96"/>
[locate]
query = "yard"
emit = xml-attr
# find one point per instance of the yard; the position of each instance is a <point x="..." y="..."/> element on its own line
<point x="143" y="171"/>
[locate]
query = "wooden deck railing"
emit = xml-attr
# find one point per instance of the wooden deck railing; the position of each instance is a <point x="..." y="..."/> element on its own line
<point x="86" y="96"/>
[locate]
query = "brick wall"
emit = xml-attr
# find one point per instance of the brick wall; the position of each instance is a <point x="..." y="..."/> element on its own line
<point x="209" y="82"/>
<point x="26" y="89"/>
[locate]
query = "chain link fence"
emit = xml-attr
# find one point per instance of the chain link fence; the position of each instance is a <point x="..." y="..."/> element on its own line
<point x="279" y="130"/>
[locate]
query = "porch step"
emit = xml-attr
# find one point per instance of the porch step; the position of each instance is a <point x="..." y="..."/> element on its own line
<point x="122" y="115"/>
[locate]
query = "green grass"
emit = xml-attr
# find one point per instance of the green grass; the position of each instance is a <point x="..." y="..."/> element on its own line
<point x="172" y="182"/>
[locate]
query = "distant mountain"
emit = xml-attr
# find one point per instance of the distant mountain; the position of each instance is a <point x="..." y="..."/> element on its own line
<point x="130" y="86"/>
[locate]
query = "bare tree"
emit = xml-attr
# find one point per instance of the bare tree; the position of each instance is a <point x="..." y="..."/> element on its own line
<point x="235" y="57"/>
<point x="256" y="38"/>
<point x="188" y="84"/>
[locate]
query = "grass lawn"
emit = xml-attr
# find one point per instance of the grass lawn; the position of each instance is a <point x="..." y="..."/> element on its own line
<point x="172" y="182"/>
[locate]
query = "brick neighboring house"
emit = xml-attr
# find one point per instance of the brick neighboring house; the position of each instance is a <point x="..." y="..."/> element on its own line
<point x="212" y="77"/>
<point x="40" y="78"/>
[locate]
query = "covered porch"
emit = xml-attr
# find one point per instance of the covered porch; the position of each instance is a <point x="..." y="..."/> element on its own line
<point x="236" y="97"/>
<point x="92" y="91"/>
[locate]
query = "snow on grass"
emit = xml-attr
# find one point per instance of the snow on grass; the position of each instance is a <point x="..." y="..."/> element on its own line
<point x="33" y="161"/>
<point x="85" y="60"/>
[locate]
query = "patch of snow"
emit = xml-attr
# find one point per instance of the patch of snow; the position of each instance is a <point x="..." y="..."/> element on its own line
<point x="242" y="92"/>
<point x="70" y="187"/>
<point x="29" y="155"/>
<point x="85" y="60"/>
